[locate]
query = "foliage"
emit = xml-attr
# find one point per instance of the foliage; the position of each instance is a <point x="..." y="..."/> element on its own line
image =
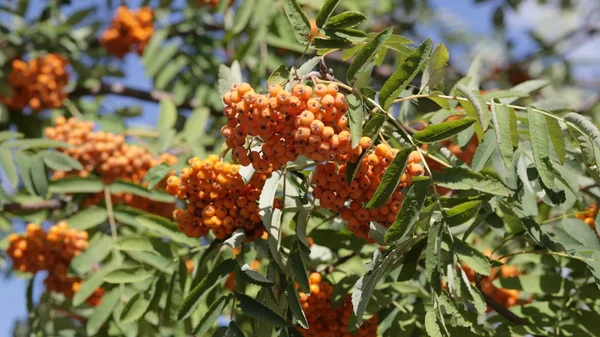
<point x="292" y="185"/>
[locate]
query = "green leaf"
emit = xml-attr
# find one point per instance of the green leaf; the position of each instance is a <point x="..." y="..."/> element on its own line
<point x="308" y="66"/>
<point x="404" y="74"/>
<point x="39" y="176"/>
<point x="234" y="330"/>
<point x="537" y="284"/>
<point x="267" y="196"/>
<point x="502" y="126"/>
<point x="373" y="125"/>
<point x="27" y="144"/>
<point x="300" y="273"/>
<point x="254" y="277"/>
<point x="294" y="303"/>
<point x="435" y="69"/>
<point x="535" y="232"/>
<point x="193" y="130"/>
<point x="431" y="325"/>
<point x="437" y="132"/>
<point x="128" y="275"/>
<point x="557" y="138"/>
<point x="195" y="296"/>
<point x="76" y="185"/>
<point x="157" y="174"/>
<point x="24" y="163"/>
<point x="345" y="20"/>
<point x="9" y="167"/>
<point x="484" y="151"/>
<point x="236" y="239"/>
<point x="525" y="87"/>
<point x="6" y="135"/>
<point x="298" y="20"/>
<point x="102" y="312"/>
<point x="391" y="179"/>
<point x="138" y="305"/>
<point x="243" y="15"/>
<point x="476" y="101"/>
<point x="90" y="285"/>
<point x="60" y="162"/>
<point x="472" y="257"/>
<point x="88" y="218"/>
<point x="121" y="186"/>
<point x="211" y="315"/>
<point x="432" y="268"/>
<point x="473" y="73"/>
<point x="458" y="178"/>
<point x="320" y="43"/>
<point x="355" y="118"/>
<point x="584" y="126"/>
<point x="462" y="213"/>
<point x="409" y="211"/>
<point x="366" y="53"/>
<point x="95" y="253"/>
<point x="135" y="243"/>
<point x="325" y="12"/>
<point x="166" y="228"/>
<point x="152" y="259"/>
<point x="279" y="76"/>
<point x="540" y="146"/>
<point x="254" y="309"/>
<point x="167" y="115"/>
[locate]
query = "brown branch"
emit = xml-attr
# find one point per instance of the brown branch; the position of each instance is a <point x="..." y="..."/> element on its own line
<point x="119" y="89"/>
<point x="52" y="204"/>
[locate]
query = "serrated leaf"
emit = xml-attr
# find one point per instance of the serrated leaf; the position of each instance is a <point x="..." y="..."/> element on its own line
<point x="299" y="269"/>
<point x="195" y="296"/>
<point x="76" y="185"/>
<point x="94" y="254"/>
<point x="121" y="186"/>
<point x="585" y="126"/>
<point x="60" y="162"/>
<point x="535" y="232"/>
<point x="540" y="146"/>
<point x="321" y="43"/>
<point x="435" y="69"/>
<point x="152" y="259"/>
<point x="556" y="137"/>
<point x="409" y="211"/>
<point x="28" y="144"/>
<point x="254" y="309"/>
<point x="279" y="76"/>
<point x="6" y="135"/>
<point x="134" y="243"/>
<point x="128" y="275"/>
<point x="525" y="87"/>
<point x="39" y="176"/>
<point x="373" y="125"/>
<point x="404" y="74"/>
<point x="298" y="20"/>
<point x="462" y="213"/>
<point x="476" y="101"/>
<point x="472" y="257"/>
<point x="431" y="325"/>
<point x="294" y="303"/>
<point x="308" y="66"/>
<point x="345" y="20"/>
<point x="138" y="305"/>
<point x="355" y="118"/>
<point x="366" y="53"/>
<point x="167" y="114"/>
<point x="484" y="151"/>
<point x="90" y="285"/>
<point x="211" y="315"/>
<point x="234" y="330"/>
<point x="502" y="127"/>
<point x="102" y="312"/>
<point x="537" y="284"/>
<point x="474" y="73"/>
<point x="166" y="228"/>
<point x="458" y="178"/>
<point x="157" y="174"/>
<point x="431" y="255"/>
<point x="24" y="164"/>
<point x="236" y="239"/>
<point x="88" y="218"/>
<point x="254" y="277"/>
<point x="437" y="132"/>
<point x="243" y="15"/>
<point x="325" y="12"/>
<point x="9" y="167"/>
<point x="391" y="179"/>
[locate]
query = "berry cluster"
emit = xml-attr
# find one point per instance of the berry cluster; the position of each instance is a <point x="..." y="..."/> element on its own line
<point x="506" y="297"/>
<point x="332" y="189"/>
<point x="111" y="158"/>
<point x="217" y="199"/>
<point x="304" y="121"/>
<point x="51" y="251"/>
<point x="129" y="31"/>
<point x="38" y="83"/>
<point x="589" y="216"/>
<point x="323" y="319"/>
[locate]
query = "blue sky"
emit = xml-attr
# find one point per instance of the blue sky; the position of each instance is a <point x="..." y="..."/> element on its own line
<point x="474" y="18"/>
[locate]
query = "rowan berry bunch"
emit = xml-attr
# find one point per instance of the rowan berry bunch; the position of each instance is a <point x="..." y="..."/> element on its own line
<point x="111" y="158"/>
<point x="305" y="121"/>
<point x="330" y="186"/>
<point x="38" y="83"/>
<point x="52" y="251"/>
<point x="589" y="216"/>
<point x="129" y="31"/>
<point x="217" y="199"/>
<point x="323" y="319"/>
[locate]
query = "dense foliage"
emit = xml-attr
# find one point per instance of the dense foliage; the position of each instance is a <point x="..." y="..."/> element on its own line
<point x="310" y="173"/>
